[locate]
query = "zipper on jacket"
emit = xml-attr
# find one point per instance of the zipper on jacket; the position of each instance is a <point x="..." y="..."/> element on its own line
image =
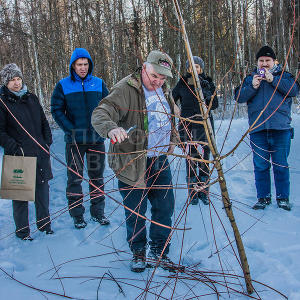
<point x="145" y="121"/>
<point x="86" y="107"/>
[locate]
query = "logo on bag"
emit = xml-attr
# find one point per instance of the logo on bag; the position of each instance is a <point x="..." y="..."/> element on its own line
<point x="18" y="173"/>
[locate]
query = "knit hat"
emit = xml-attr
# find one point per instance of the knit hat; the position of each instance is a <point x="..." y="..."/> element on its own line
<point x="265" y="51"/>
<point x="161" y="62"/>
<point x="197" y="60"/>
<point x="9" y="72"/>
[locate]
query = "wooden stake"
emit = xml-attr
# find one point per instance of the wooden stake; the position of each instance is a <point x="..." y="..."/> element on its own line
<point x="216" y="155"/>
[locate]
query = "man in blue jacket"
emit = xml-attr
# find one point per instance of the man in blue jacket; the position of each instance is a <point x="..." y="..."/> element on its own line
<point x="73" y="101"/>
<point x="268" y="92"/>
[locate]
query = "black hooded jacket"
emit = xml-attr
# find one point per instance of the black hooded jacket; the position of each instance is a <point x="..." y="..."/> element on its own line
<point x="28" y="111"/>
<point x="183" y="92"/>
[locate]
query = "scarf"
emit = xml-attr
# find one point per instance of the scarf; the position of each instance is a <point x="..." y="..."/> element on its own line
<point x="276" y="68"/>
<point x="21" y="92"/>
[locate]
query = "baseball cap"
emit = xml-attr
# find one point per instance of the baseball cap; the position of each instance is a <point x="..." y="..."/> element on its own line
<point x="161" y="62"/>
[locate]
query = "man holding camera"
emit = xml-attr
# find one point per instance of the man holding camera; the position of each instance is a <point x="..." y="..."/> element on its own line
<point x="268" y="91"/>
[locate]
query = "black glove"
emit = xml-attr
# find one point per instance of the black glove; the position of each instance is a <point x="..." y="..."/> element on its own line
<point x="205" y="84"/>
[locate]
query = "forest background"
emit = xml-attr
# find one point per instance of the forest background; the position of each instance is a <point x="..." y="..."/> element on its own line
<point x="40" y="36"/>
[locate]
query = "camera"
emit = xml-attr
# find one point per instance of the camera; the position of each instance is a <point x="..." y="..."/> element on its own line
<point x="261" y="72"/>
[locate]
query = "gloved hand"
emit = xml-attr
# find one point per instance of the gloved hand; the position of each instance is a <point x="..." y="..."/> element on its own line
<point x="204" y="84"/>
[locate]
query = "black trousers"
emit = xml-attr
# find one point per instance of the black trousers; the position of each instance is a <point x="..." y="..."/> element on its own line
<point x="20" y="211"/>
<point x="195" y="168"/>
<point x="195" y="132"/>
<point x="75" y="154"/>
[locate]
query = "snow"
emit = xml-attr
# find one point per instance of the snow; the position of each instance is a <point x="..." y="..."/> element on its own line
<point x="94" y="262"/>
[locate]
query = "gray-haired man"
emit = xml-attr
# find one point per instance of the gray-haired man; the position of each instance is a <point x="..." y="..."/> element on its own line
<point x="139" y="158"/>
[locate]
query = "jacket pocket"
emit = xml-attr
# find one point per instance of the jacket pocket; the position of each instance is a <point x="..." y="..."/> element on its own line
<point x="122" y="160"/>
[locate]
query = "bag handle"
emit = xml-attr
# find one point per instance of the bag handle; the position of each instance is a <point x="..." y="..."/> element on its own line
<point x="21" y="151"/>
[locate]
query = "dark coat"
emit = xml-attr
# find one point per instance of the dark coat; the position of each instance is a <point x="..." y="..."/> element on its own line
<point x="190" y="105"/>
<point x="278" y="113"/>
<point x="73" y="101"/>
<point x="28" y="111"/>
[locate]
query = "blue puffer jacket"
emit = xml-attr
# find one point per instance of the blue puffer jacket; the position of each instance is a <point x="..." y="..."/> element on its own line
<point x="73" y="101"/>
<point x="257" y="99"/>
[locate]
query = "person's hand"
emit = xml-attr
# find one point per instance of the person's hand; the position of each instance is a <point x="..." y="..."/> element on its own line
<point x="256" y="81"/>
<point x="177" y="111"/>
<point x="171" y="148"/>
<point x="204" y="84"/>
<point x="268" y="76"/>
<point x="118" y="134"/>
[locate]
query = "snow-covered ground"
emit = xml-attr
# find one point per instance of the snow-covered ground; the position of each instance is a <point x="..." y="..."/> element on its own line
<point x="93" y="263"/>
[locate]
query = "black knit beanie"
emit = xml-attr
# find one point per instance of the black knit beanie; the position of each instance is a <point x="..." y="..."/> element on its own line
<point x="265" y="51"/>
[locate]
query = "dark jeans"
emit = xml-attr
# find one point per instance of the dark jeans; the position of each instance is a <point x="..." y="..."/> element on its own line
<point x="95" y="167"/>
<point x="158" y="174"/>
<point x="20" y="211"/>
<point x="275" y="145"/>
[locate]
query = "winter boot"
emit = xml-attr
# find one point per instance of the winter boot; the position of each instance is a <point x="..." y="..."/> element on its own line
<point x="156" y="259"/>
<point x="79" y="222"/>
<point x="27" y="238"/>
<point x="138" y="262"/>
<point x="203" y="194"/>
<point x="262" y="203"/>
<point x="283" y="203"/>
<point x="47" y="229"/>
<point x="192" y="183"/>
<point x="101" y="219"/>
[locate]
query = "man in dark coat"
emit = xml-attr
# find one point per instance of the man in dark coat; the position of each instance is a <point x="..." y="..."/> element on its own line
<point x="193" y="134"/>
<point x="19" y="104"/>
<point x="268" y="91"/>
<point x="73" y="101"/>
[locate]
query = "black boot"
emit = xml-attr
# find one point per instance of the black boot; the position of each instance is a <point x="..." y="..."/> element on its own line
<point x="156" y="259"/>
<point x="26" y="238"/>
<point x="101" y="219"/>
<point x="262" y="203"/>
<point x="79" y="222"/>
<point x="284" y="203"/>
<point x="138" y="262"/>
